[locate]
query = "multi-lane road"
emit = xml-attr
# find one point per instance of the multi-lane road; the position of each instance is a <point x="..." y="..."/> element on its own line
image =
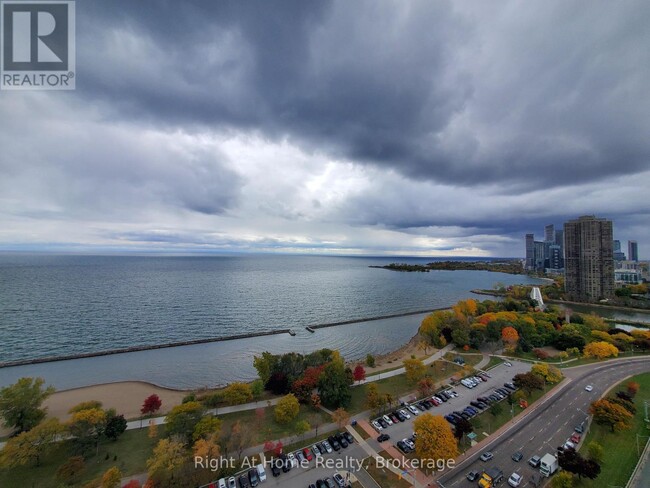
<point x="549" y="425"/>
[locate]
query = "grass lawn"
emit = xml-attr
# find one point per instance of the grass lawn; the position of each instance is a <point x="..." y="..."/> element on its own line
<point x="494" y="361"/>
<point x="266" y="428"/>
<point x="132" y="450"/>
<point x="383" y="476"/>
<point x="488" y="423"/>
<point x="364" y="435"/>
<point x="398" y="386"/>
<point x="620" y="447"/>
<point x="470" y="358"/>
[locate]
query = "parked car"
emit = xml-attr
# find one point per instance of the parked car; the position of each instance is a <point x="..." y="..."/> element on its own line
<point x="580" y="428"/>
<point x="486" y="456"/>
<point x="339" y="480"/>
<point x="315" y="449"/>
<point x="300" y="457"/>
<point x="413" y="410"/>
<point x="292" y="460"/>
<point x="330" y="483"/>
<point x="342" y="440"/>
<point x="326" y="446"/>
<point x="517" y="456"/>
<point x="383" y="437"/>
<point x="394" y="417"/>
<point x="405" y="413"/>
<point x="221" y="483"/>
<point x="400" y="416"/>
<point x="507" y="363"/>
<point x="575" y="438"/>
<point x="253" y="477"/>
<point x="452" y="393"/>
<point x="321" y="484"/>
<point x="232" y="483"/>
<point x="275" y="470"/>
<point x="334" y="443"/>
<point x="243" y="481"/>
<point x="387" y="420"/>
<point x="348" y="437"/>
<point x="307" y="454"/>
<point x="376" y="425"/>
<point x="403" y="447"/>
<point x="382" y="422"/>
<point x="409" y="443"/>
<point x="261" y="472"/>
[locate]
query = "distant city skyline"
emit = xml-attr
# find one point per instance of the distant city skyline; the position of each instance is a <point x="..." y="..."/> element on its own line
<point x="331" y="127"/>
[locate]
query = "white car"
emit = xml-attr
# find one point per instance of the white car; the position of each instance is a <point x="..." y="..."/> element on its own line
<point x="327" y="446"/>
<point x="405" y="413"/>
<point x="231" y="482"/>
<point x="261" y="472"/>
<point x="589" y="388"/>
<point x="387" y="420"/>
<point x="514" y="480"/>
<point x="222" y="483"/>
<point x="507" y="363"/>
<point x="452" y="393"/>
<point x="569" y="445"/>
<point x="292" y="460"/>
<point x="413" y="409"/>
<point x="376" y="425"/>
<point x="409" y="443"/>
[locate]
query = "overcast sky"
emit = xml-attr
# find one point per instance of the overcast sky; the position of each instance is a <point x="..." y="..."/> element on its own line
<point x="366" y="127"/>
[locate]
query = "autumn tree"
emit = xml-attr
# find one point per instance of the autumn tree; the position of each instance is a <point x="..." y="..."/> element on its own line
<point x="112" y="478"/>
<point x="510" y="337"/>
<point x="432" y="325"/>
<point x="151" y="405"/>
<point x="550" y="373"/>
<point x="87" y="426"/>
<point x="167" y="459"/>
<point x="359" y="373"/>
<point x="435" y="439"/>
<point x="239" y="437"/>
<point x="600" y="350"/>
<point x="182" y="420"/>
<point x="341" y="417"/>
<point x="207" y="426"/>
<point x="31" y="446"/>
<point x="415" y="370"/>
<point x="87" y="405"/>
<point x="426" y="386"/>
<point x="152" y="430"/>
<point x="315" y="401"/>
<point x="286" y="409"/>
<point x="207" y="447"/>
<point x="632" y="388"/>
<point x="608" y="413"/>
<point x="528" y="382"/>
<point x="70" y="471"/>
<point x="20" y="403"/>
<point x="373" y="399"/>
<point x="133" y="484"/>
<point x="237" y="393"/>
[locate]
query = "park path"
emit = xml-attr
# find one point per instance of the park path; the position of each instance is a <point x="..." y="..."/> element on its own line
<point x="395" y="372"/>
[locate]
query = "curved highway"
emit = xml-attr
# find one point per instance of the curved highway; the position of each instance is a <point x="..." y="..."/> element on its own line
<point x="550" y="424"/>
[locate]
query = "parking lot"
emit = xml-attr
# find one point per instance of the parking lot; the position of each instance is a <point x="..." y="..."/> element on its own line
<point x="500" y="374"/>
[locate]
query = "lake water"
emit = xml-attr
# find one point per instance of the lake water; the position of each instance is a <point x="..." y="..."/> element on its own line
<point x="52" y="305"/>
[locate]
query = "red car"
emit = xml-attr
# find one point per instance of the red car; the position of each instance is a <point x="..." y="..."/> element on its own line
<point x="307" y="454"/>
<point x="575" y="438"/>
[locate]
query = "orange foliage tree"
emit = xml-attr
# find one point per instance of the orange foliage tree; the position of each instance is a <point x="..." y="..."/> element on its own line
<point x="600" y="350"/>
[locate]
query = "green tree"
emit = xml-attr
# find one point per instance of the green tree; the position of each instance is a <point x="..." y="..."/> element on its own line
<point x="415" y="370"/>
<point x="20" y="403"/>
<point x="237" y="393"/>
<point x="334" y="384"/>
<point x="266" y="365"/>
<point x="88" y="405"/>
<point x="563" y="479"/>
<point x="302" y="427"/>
<point x="287" y="409"/>
<point x="257" y="388"/>
<point x="595" y="452"/>
<point x="370" y="361"/>
<point x="87" y="426"/>
<point x="115" y="426"/>
<point x="496" y="409"/>
<point x="182" y="420"/>
<point x="31" y="446"/>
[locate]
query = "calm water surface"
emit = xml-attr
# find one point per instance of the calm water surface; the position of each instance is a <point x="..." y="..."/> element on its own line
<point x="54" y="305"/>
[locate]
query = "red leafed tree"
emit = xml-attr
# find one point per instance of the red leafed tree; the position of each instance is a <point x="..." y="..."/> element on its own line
<point x="278" y="448"/>
<point x="151" y="405"/>
<point x="359" y="373"/>
<point x="269" y="446"/>
<point x="132" y="484"/>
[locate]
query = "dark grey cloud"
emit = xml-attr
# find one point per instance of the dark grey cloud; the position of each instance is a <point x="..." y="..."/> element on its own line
<point x="543" y="95"/>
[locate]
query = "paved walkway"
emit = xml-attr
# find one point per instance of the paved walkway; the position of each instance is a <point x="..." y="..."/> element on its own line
<point x="395" y="372"/>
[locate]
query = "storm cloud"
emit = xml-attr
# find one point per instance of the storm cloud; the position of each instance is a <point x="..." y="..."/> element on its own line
<point x="374" y="127"/>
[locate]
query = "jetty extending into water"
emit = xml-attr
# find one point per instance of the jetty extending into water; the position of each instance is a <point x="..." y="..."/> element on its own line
<point x="21" y="362"/>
